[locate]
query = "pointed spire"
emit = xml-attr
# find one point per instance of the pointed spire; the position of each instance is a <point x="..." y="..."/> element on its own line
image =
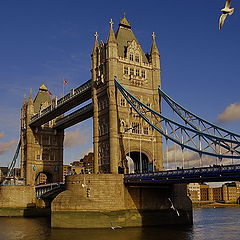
<point x="154" y="48"/>
<point x="96" y="37"/>
<point x="43" y="88"/>
<point x="30" y="94"/>
<point x="111" y="35"/>
<point x="95" y="46"/>
<point x="124" y="22"/>
<point x="30" y="99"/>
<point x="24" y="98"/>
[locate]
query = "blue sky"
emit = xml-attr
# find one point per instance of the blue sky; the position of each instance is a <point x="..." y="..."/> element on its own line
<point x="46" y="41"/>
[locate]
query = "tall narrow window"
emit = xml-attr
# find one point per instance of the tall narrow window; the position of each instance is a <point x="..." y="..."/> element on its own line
<point x="145" y="130"/>
<point x="143" y="74"/>
<point x="131" y="71"/>
<point x="137" y="72"/>
<point x="136" y="127"/>
<point x="125" y="70"/>
<point x="137" y="58"/>
<point x="131" y="57"/>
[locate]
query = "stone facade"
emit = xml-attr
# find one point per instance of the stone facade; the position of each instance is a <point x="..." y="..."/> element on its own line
<point x="17" y="196"/>
<point x="118" y="131"/>
<point x="41" y="147"/>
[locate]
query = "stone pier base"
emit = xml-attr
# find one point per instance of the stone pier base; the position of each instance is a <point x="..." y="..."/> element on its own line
<point x="20" y="201"/>
<point x="103" y="201"/>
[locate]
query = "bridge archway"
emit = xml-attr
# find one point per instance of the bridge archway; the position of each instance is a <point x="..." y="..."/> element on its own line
<point x="43" y="178"/>
<point x="138" y="162"/>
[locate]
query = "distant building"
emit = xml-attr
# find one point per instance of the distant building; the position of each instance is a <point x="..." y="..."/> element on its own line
<point x="66" y="170"/>
<point x="3" y="173"/>
<point x="227" y="193"/>
<point x="231" y="192"/>
<point x="42" y="179"/>
<point x="217" y="194"/>
<point x="194" y="192"/>
<point x="205" y="192"/>
<point x="83" y="166"/>
<point x="88" y="162"/>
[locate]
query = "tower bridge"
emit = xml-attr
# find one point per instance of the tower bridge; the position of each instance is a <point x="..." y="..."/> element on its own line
<point x="128" y="131"/>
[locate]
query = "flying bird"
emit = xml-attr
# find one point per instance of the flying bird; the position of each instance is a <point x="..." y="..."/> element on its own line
<point x="114" y="227"/>
<point x="225" y="12"/>
<point x="173" y="208"/>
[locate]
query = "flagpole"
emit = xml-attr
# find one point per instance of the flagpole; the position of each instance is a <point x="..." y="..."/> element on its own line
<point x="65" y="82"/>
<point x="63" y="87"/>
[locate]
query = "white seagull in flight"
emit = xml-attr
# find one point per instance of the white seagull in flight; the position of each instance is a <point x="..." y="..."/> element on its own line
<point x="173" y="208"/>
<point x="225" y="11"/>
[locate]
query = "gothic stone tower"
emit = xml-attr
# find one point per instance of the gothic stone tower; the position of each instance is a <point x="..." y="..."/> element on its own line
<point x="122" y="140"/>
<point x="41" y="147"/>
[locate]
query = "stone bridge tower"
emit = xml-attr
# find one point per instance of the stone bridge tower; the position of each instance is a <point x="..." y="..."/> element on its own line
<point x="41" y="147"/>
<point x="122" y="141"/>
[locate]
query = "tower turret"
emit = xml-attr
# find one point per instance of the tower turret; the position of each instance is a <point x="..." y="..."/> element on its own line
<point x="111" y="45"/>
<point x="118" y="133"/>
<point x="154" y="53"/>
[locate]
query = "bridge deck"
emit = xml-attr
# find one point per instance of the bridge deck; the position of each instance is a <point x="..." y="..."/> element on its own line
<point x="215" y="173"/>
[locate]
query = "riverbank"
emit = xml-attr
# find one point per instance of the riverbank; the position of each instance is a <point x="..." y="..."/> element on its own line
<point x="215" y="205"/>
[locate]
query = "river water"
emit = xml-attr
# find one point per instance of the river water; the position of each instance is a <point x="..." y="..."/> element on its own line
<point x="215" y="223"/>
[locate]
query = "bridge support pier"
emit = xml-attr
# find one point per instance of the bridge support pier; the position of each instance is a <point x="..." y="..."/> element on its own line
<point x="103" y="201"/>
<point x="20" y="201"/>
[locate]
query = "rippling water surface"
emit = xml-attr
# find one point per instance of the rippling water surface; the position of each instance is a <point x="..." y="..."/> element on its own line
<point x="217" y="224"/>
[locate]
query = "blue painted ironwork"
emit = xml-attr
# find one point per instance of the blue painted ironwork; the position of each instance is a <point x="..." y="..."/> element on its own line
<point x="215" y="173"/>
<point x="13" y="162"/>
<point x="186" y="137"/>
<point x="43" y="189"/>
<point x="201" y="124"/>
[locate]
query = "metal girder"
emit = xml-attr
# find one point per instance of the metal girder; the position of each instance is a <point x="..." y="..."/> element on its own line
<point x="13" y="162"/>
<point x="202" y="125"/>
<point x="186" y="137"/>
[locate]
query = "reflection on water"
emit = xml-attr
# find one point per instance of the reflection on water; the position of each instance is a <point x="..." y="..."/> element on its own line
<point x="208" y="224"/>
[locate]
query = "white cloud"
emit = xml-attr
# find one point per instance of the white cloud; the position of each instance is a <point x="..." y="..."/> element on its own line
<point x="176" y="158"/>
<point x="87" y="152"/>
<point x="5" y="146"/>
<point x="75" y="138"/>
<point x="2" y="135"/>
<point x="231" y="113"/>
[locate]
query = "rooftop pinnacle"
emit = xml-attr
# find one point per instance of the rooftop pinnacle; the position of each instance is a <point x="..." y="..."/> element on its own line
<point x="43" y="88"/>
<point x="111" y="35"/>
<point x="154" y="48"/>
<point x="124" y="22"/>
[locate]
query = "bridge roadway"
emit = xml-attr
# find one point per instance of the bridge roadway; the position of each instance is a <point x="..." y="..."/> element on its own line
<point x="215" y="173"/>
<point x="75" y="117"/>
<point x="76" y="97"/>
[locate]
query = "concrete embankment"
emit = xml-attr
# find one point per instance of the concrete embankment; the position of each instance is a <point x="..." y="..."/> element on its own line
<point x="103" y="201"/>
